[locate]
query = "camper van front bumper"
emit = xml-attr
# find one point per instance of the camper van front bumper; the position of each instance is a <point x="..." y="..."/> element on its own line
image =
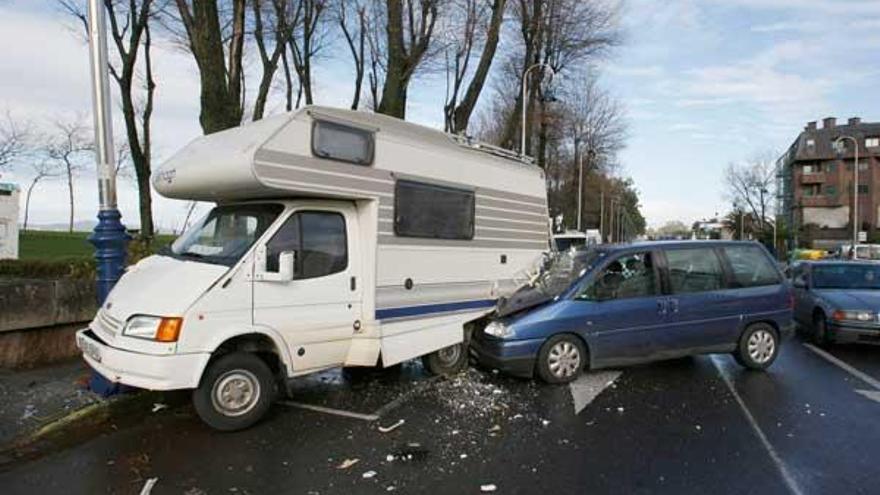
<point x="152" y="372"/>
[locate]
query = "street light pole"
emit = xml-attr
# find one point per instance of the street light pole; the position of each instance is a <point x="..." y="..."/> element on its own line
<point x="855" y="238"/>
<point x="580" y="188"/>
<point x="611" y="222"/>
<point x="602" y="212"/>
<point x="525" y="84"/>
<point x="109" y="236"/>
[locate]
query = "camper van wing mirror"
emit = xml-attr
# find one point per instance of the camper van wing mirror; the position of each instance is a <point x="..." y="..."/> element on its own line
<point x="285" y="273"/>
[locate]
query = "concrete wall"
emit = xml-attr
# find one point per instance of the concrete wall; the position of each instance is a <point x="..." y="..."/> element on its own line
<point x="8" y="221"/>
<point x="38" y="318"/>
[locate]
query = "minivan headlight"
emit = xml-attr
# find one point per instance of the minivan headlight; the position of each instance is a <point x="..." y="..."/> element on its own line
<point x="498" y="329"/>
<point x="853" y="315"/>
<point x="153" y="328"/>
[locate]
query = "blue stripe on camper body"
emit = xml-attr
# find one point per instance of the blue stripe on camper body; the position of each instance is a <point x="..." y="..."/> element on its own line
<point x="405" y="311"/>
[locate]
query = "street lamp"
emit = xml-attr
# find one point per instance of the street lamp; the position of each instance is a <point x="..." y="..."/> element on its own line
<point x="840" y="149"/>
<point x="525" y="83"/>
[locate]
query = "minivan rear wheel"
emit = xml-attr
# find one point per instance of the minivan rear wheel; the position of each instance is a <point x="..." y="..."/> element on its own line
<point x="561" y="359"/>
<point x="758" y="346"/>
<point x="236" y="391"/>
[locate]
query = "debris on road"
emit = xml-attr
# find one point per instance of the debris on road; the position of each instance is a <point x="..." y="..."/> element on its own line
<point x="386" y="429"/>
<point x="148" y="486"/>
<point x="488" y="488"/>
<point x="158" y="406"/>
<point x="369" y="474"/>
<point x="348" y="463"/>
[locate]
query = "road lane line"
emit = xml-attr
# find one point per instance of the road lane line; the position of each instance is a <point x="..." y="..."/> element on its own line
<point x="774" y="456"/>
<point x="861" y="375"/>
<point x="588" y="386"/>
<point x="330" y="410"/>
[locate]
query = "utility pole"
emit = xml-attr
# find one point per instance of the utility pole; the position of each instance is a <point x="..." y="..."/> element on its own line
<point x="580" y="189"/>
<point x="602" y="211"/>
<point x="855" y="192"/>
<point x="611" y="222"/>
<point x="109" y="236"/>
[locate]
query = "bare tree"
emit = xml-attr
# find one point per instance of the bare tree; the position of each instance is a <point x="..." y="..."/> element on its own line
<point x="67" y="148"/>
<point x="409" y="28"/>
<point x="12" y="140"/>
<point x="751" y="185"/>
<point x="307" y="39"/>
<point x="271" y="20"/>
<point x="354" y="26"/>
<point x="42" y="169"/>
<point x="217" y="48"/>
<point x="130" y="22"/>
<point x="475" y="23"/>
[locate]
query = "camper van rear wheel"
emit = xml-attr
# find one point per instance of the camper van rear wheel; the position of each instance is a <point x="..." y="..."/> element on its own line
<point x="561" y="359"/>
<point x="446" y="361"/>
<point x="236" y="391"/>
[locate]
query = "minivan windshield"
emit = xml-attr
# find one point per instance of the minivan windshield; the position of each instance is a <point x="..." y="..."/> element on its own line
<point x="225" y="233"/>
<point x="846" y="276"/>
<point x="564" y="268"/>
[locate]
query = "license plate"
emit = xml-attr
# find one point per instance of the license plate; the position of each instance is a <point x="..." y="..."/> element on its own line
<point x="90" y="349"/>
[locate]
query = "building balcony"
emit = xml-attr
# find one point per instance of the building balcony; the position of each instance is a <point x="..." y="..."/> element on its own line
<point x="815" y="178"/>
<point x="820" y="201"/>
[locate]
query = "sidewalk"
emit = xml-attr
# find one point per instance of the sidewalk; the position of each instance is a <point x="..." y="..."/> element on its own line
<point x="32" y="398"/>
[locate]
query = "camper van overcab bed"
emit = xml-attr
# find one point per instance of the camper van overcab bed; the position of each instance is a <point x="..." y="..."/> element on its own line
<point x="338" y="238"/>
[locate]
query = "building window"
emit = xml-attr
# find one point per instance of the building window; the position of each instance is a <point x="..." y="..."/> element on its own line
<point x="343" y="143"/>
<point x="811" y="145"/>
<point x="830" y="191"/>
<point x="863" y="165"/>
<point x="831" y="167"/>
<point x="435" y="212"/>
<point x="863" y="188"/>
<point x="811" y="190"/>
<point x="872" y="142"/>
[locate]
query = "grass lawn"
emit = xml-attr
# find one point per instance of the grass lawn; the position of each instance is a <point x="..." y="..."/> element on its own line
<point x="48" y="245"/>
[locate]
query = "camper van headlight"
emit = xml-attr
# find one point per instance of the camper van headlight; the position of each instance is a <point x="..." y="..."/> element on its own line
<point x="498" y="329"/>
<point x="153" y="328"/>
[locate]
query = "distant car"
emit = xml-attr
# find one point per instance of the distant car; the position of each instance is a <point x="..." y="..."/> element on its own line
<point x="837" y="301"/>
<point x="569" y="239"/>
<point x="625" y="304"/>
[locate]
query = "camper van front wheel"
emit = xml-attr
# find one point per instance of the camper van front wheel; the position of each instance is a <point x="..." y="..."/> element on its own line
<point x="446" y="361"/>
<point x="236" y="391"/>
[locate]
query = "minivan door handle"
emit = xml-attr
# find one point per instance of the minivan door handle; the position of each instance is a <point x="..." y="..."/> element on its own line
<point x="673" y="305"/>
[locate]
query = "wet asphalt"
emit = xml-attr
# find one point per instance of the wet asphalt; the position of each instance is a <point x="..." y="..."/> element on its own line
<point x="695" y="425"/>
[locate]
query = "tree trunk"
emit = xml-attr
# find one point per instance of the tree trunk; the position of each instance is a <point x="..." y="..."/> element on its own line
<point x="462" y="113"/>
<point x="393" y="101"/>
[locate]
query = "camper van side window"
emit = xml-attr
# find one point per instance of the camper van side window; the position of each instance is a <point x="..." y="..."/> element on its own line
<point x="339" y="142"/>
<point x="435" y="212"/>
<point x="318" y="238"/>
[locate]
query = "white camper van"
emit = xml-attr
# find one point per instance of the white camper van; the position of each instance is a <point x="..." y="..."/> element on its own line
<point x="339" y="238"/>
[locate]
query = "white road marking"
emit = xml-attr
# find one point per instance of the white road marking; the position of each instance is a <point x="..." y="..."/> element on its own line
<point x="789" y="480"/>
<point x="330" y="410"/>
<point x="588" y="386"/>
<point x="874" y="395"/>
<point x="845" y="367"/>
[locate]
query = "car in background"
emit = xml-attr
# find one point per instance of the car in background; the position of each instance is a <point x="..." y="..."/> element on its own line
<point x="569" y="239"/>
<point x="625" y="304"/>
<point x="837" y="301"/>
<point x="864" y="252"/>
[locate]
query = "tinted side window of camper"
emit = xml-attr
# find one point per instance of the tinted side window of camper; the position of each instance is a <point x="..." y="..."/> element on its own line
<point x="339" y="142"/>
<point x="319" y="241"/>
<point x="436" y="212"/>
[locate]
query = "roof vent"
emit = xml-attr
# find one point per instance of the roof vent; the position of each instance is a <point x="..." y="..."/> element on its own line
<point x="854" y="121"/>
<point x="811" y="126"/>
<point x="829" y="123"/>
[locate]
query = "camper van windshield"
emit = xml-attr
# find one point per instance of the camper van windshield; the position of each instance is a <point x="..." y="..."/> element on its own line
<point x="225" y="233"/>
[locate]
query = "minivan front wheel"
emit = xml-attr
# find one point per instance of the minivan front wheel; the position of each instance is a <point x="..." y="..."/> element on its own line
<point x="236" y="391"/>
<point x="758" y="346"/>
<point x="561" y="359"/>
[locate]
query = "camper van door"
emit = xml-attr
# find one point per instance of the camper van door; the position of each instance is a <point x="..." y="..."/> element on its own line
<point x="319" y="310"/>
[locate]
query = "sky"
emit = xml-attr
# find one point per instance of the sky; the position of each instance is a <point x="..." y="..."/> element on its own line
<point x="704" y="83"/>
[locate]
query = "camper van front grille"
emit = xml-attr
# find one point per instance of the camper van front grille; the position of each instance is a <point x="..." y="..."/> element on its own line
<point x="107" y="324"/>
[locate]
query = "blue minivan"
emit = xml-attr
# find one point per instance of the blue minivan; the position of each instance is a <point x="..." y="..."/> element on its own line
<point x="626" y="304"/>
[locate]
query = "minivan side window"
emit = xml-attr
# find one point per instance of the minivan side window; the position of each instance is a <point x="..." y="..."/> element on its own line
<point x="318" y="239"/>
<point x="629" y="276"/>
<point x="694" y="270"/>
<point x="750" y="267"/>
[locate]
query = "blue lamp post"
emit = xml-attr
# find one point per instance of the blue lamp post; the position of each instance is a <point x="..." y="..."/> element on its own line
<point x="109" y="237"/>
